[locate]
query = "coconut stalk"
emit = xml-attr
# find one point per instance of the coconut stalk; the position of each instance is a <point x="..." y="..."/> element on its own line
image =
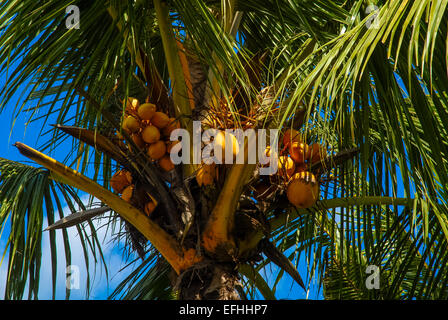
<point x="179" y="258"/>
<point x="217" y="234"/>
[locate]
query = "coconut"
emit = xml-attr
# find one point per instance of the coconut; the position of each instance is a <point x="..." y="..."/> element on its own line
<point x="157" y="150"/>
<point x="120" y="180"/>
<point x="149" y="208"/>
<point x="165" y="163"/>
<point x="286" y="166"/>
<point x="127" y="193"/>
<point x="290" y="136"/>
<point x="160" y="120"/>
<point x="303" y="190"/>
<point x="146" y="111"/>
<point x="299" y="152"/>
<point x="267" y="151"/>
<point x="150" y="134"/>
<point x="220" y="141"/>
<point x="132" y="124"/>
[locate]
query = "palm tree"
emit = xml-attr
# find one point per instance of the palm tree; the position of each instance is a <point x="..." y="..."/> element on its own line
<point x="365" y="79"/>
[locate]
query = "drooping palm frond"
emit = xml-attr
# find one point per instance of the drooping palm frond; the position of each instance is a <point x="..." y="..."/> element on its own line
<point x="149" y="281"/>
<point x="28" y="196"/>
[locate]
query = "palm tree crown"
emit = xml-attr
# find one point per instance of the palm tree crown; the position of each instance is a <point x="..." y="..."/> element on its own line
<point x="363" y="83"/>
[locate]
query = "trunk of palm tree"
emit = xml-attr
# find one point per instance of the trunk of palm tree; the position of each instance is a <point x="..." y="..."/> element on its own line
<point x="209" y="280"/>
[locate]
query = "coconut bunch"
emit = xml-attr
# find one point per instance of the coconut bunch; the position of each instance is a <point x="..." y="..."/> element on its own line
<point x="150" y="130"/>
<point x="295" y="160"/>
<point x="122" y="183"/>
<point x="302" y="185"/>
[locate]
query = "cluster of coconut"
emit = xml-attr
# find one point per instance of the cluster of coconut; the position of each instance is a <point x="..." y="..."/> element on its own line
<point x="122" y="183"/>
<point x="150" y="130"/>
<point x="294" y="163"/>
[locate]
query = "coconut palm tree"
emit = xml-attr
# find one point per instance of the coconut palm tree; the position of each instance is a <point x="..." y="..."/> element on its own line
<point x="366" y="80"/>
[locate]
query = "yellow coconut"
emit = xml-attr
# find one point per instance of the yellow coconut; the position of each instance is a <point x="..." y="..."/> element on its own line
<point x="157" y="150"/>
<point x="172" y="125"/>
<point x="132" y="124"/>
<point x="299" y="152"/>
<point x="120" y="180"/>
<point x="146" y="111"/>
<point x="150" y="134"/>
<point x="165" y="163"/>
<point x="127" y="193"/>
<point x="149" y="208"/>
<point x="291" y="135"/>
<point x="267" y="151"/>
<point x="160" y="120"/>
<point x="303" y="190"/>
<point x="220" y="141"/>
<point x="132" y="105"/>
<point x="286" y="166"/>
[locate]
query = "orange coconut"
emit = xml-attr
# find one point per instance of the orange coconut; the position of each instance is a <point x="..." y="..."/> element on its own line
<point x="165" y="163"/>
<point x="157" y="150"/>
<point x="150" y="134"/>
<point x="303" y="190"/>
<point x="299" y="152"/>
<point x="120" y="180"/>
<point x="132" y="124"/>
<point x="267" y="151"/>
<point x="286" y="166"/>
<point x="220" y="142"/>
<point x="160" y="120"/>
<point x="146" y="111"/>
<point x="127" y="193"/>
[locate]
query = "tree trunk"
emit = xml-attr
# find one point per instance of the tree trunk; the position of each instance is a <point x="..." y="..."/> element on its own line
<point x="209" y="280"/>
